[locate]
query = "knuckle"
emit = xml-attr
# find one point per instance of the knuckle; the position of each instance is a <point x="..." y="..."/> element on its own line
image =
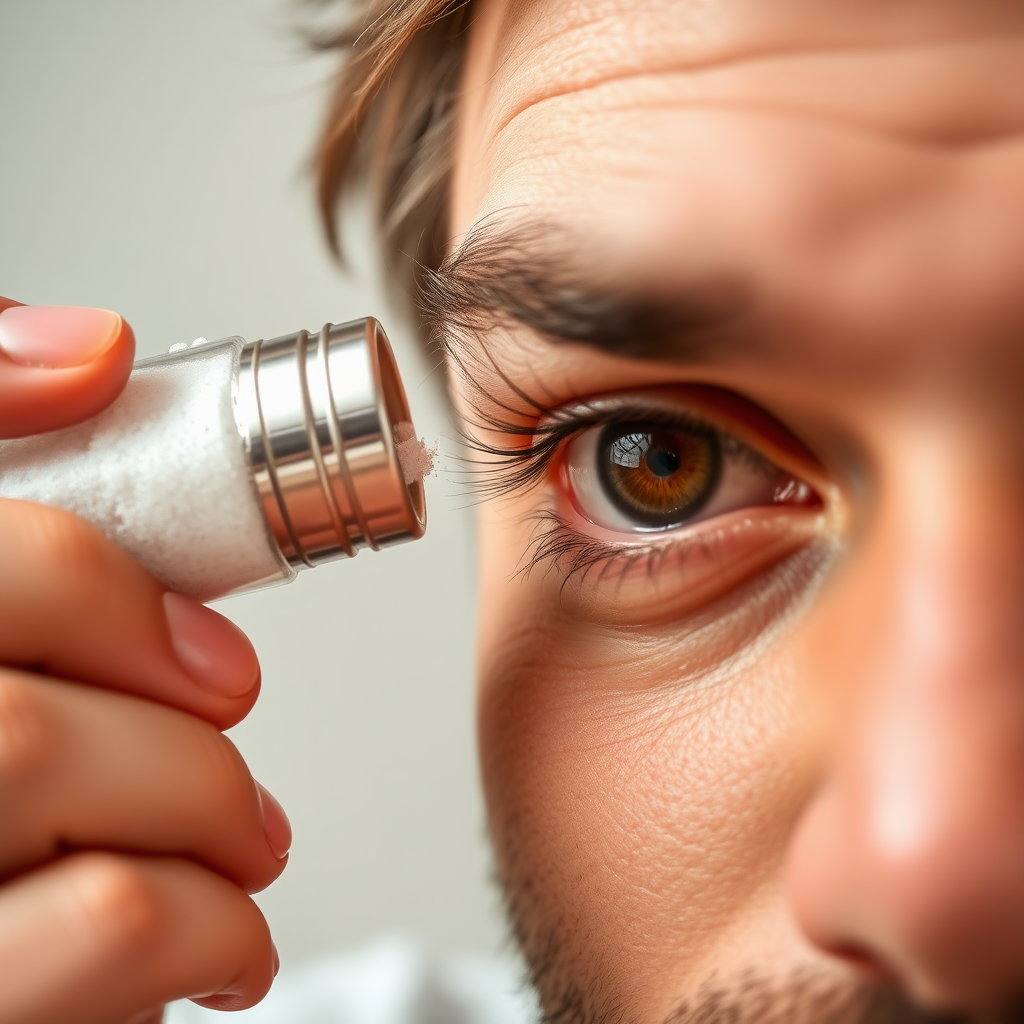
<point x="24" y="733"/>
<point x="118" y="905"/>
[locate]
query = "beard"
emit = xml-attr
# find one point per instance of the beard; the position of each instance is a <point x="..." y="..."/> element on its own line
<point x="803" y="997"/>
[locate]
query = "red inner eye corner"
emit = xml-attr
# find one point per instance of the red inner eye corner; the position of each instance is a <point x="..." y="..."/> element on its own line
<point x="796" y="493"/>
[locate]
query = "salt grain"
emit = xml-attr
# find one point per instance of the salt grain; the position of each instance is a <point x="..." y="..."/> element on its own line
<point x="415" y="458"/>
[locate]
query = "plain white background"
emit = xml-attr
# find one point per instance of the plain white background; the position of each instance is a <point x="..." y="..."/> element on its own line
<point x="153" y="160"/>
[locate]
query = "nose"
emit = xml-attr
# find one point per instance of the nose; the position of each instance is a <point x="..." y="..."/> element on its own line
<point x="909" y="858"/>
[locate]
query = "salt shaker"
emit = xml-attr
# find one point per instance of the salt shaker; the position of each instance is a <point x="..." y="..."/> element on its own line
<point x="230" y="465"/>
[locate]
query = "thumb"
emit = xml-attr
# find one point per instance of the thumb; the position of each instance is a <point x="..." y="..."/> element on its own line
<point x="59" y="365"/>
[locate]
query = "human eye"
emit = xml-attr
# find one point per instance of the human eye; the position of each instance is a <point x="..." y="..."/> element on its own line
<point x="654" y="475"/>
<point x="660" y="500"/>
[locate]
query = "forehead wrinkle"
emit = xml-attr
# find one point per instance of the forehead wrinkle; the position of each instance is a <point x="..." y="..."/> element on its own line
<point x="939" y="94"/>
<point x="569" y="45"/>
<point x="682" y="71"/>
<point x="709" y="105"/>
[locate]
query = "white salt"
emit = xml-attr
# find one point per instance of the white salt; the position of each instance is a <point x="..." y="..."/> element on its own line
<point x="415" y="458"/>
<point x="163" y="473"/>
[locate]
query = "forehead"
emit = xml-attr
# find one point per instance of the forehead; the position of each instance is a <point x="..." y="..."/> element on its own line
<point x="872" y="148"/>
<point x="564" y="79"/>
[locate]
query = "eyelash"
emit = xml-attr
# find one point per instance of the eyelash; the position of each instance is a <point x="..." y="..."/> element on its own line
<point x="556" y="543"/>
<point x="510" y="470"/>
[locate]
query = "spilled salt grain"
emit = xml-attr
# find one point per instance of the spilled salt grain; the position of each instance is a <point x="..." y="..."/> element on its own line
<point x="415" y="458"/>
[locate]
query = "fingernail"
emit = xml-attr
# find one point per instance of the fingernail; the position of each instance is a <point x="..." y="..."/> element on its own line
<point x="211" y="648"/>
<point x="276" y="826"/>
<point x="222" y="1001"/>
<point x="57" y="336"/>
<point x="277" y="959"/>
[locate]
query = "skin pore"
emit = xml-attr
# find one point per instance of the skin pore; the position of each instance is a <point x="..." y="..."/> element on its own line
<point x="763" y="765"/>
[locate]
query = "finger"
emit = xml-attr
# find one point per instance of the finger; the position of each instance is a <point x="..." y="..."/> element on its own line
<point x="83" y="768"/>
<point x="59" y="365"/>
<point x="96" y="938"/>
<point x="76" y="606"/>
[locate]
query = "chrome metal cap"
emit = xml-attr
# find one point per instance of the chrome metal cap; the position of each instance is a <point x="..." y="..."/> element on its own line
<point x="316" y="413"/>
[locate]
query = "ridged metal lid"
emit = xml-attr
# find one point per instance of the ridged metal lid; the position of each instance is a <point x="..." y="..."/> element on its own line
<point x="317" y="413"/>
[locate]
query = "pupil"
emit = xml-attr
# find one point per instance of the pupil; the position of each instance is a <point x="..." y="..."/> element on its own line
<point x="662" y="462"/>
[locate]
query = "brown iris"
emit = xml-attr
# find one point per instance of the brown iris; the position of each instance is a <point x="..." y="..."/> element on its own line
<point x="658" y="475"/>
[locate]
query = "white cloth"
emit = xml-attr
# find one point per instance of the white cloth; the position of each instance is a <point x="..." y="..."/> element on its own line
<point x="390" y="981"/>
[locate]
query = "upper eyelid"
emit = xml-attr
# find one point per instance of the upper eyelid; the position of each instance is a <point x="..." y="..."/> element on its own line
<point x="593" y="414"/>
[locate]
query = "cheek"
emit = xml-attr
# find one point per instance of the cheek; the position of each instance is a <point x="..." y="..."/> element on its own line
<point x="640" y="792"/>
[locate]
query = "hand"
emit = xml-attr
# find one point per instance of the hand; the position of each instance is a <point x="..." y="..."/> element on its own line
<point x="132" y="830"/>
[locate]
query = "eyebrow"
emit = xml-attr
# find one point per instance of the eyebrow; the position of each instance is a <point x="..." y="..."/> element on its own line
<point x="540" y="277"/>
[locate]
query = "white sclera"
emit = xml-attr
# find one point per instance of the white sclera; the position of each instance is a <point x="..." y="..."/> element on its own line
<point x="163" y="473"/>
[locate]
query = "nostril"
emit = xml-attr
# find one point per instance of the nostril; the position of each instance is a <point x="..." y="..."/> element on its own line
<point x="865" y="961"/>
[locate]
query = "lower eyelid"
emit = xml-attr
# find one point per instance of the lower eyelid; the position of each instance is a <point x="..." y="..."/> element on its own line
<point x="672" y="575"/>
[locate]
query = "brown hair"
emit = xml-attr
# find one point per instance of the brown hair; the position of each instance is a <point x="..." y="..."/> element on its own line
<point x="391" y="113"/>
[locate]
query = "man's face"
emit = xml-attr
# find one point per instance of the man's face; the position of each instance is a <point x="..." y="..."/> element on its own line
<point x="739" y="313"/>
